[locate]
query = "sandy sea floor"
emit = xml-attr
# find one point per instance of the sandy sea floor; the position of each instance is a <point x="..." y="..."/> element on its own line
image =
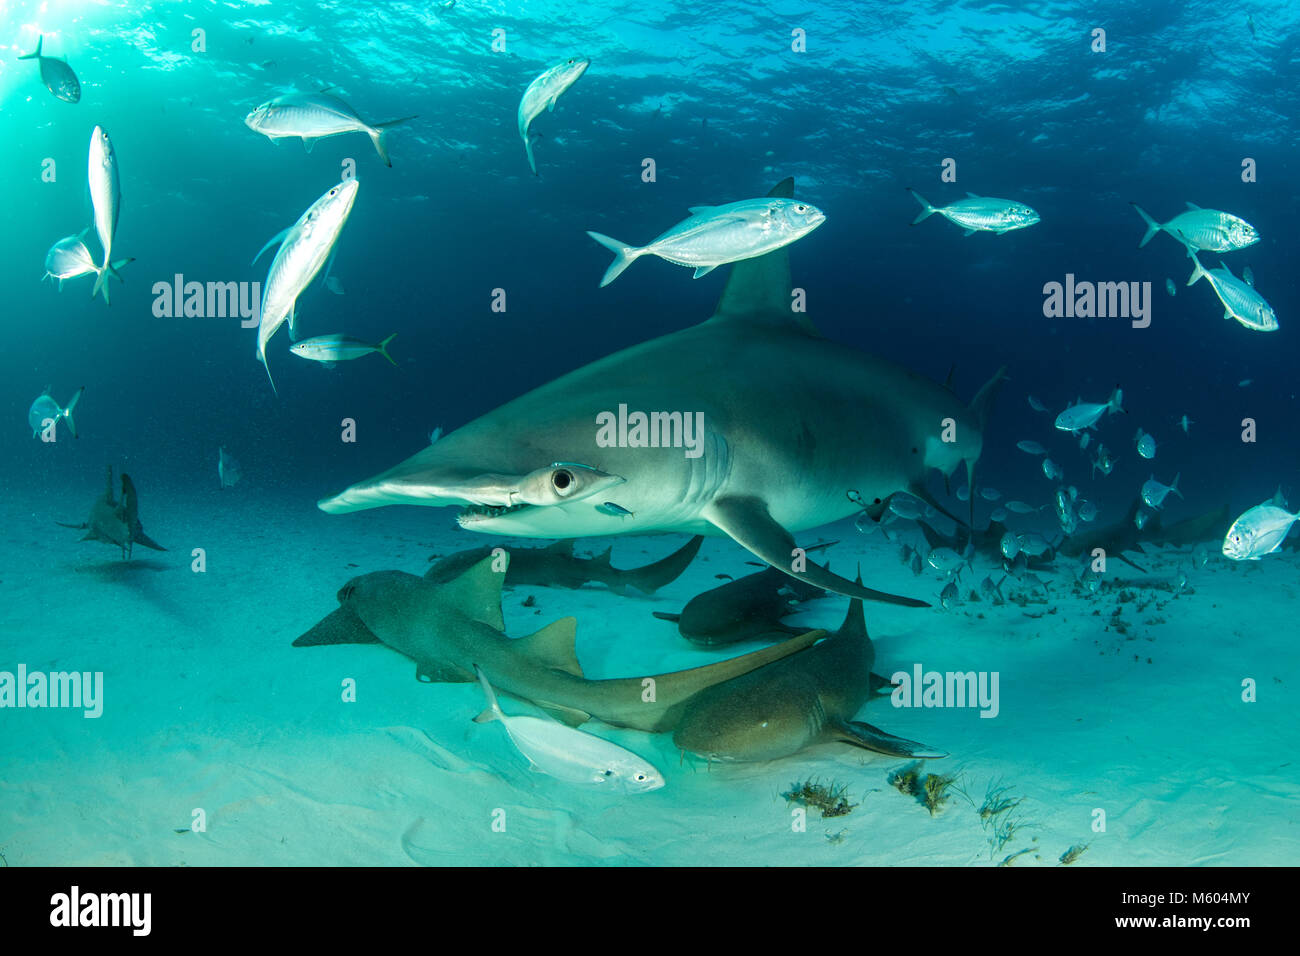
<point x="207" y="705"/>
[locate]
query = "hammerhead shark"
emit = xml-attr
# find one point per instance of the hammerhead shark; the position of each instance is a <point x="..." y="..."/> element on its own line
<point x="116" y="522"/>
<point x="748" y="608"/>
<point x="749" y="425"/>
<point x="557" y="566"/>
<point x="449" y="628"/>
<point x="806" y="699"/>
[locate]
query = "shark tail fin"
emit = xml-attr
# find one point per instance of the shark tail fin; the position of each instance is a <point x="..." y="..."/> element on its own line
<point x="553" y="646"/>
<point x="926" y="209"/>
<point x="1152" y="226"/>
<point x="652" y="577"/>
<point x="377" y="137"/>
<point x="493" y="711"/>
<point x="383" y="348"/>
<point x="624" y="256"/>
<point x="67" y="412"/>
<point x="37" y="55"/>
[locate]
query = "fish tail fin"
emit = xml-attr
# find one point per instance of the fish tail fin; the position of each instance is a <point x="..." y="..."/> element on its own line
<point x="377" y="137"/>
<point x="1116" y="401"/>
<point x="1197" y="271"/>
<point x="926" y="209"/>
<point x="1174" y="486"/>
<point x="493" y="710"/>
<point x="37" y="55"/>
<point x="528" y="149"/>
<point x="261" y="357"/>
<point x="67" y="412"/>
<point x="383" y="348"/>
<point x="624" y="256"/>
<point x="101" y="283"/>
<point x="983" y="399"/>
<point x="114" y="266"/>
<point x="1152" y="226"/>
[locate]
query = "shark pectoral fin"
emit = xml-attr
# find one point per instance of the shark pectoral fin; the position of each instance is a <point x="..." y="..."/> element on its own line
<point x="139" y="537"/>
<point x="566" y="715"/>
<point x="748" y="523"/>
<point x="876" y="740"/>
<point x="662" y="615"/>
<point x="440" y="672"/>
<point x="477" y="593"/>
<point x="652" y="577"/>
<point x="553" y="646"/>
<point x="341" y="626"/>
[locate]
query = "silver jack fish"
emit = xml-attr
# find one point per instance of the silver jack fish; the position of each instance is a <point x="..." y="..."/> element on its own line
<point x="714" y="235"/>
<point x="106" y="198"/>
<point x="979" y="213"/>
<point x="228" y="470"/>
<point x="329" y="349"/>
<point x="314" y="116"/>
<point x="1087" y="414"/>
<point x="305" y="248"/>
<point x="1240" y="300"/>
<point x="542" y="94"/>
<point x="1258" y="532"/>
<point x="56" y="75"/>
<point x="69" y="258"/>
<point x="1205" y="229"/>
<point x="46" y="409"/>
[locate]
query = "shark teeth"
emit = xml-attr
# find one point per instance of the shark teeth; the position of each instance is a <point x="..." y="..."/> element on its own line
<point x="472" y="514"/>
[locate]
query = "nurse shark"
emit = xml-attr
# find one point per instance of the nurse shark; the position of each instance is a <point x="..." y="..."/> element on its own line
<point x="797" y="432"/>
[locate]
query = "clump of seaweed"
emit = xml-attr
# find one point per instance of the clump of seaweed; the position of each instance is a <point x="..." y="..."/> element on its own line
<point x="935" y="791"/>
<point x="908" y="780"/>
<point x="832" y="801"/>
<point x="1073" y="853"/>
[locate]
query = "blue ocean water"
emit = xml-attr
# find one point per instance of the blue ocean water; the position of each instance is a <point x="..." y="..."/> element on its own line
<point x="879" y="98"/>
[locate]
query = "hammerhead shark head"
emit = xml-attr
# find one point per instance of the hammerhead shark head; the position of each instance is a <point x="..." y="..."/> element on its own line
<point x="116" y="522"/>
<point x="449" y="628"/>
<point x="749" y="425"/>
<point x="806" y="699"/>
<point x="557" y="566"/>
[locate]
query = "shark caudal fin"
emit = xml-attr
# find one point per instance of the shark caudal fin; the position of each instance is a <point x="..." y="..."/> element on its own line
<point x="927" y="210"/>
<point x="979" y="408"/>
<point x="1152" y="226"/>
<point x="340" y="626"/>
<point x="37" y="54"/>
<point x="377" y="137"/>
<point x="652" y="577"/>
<point x="624" y="255"/>
<point x="748" y="522"/>
<point x="758" y="290"/>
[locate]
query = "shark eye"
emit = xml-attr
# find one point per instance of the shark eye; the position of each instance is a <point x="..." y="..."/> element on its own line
<point x="562" y="481"/>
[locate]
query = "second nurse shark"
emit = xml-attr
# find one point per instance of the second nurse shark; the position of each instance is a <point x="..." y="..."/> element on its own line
<point x="799" y="432"/>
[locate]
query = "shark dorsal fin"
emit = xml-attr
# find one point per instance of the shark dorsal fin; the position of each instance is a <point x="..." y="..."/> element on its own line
<point x="553" y="646"/>
<point x="477" y="593"/>
<point x="758" y="290"/>
<point x="855" y="621"/>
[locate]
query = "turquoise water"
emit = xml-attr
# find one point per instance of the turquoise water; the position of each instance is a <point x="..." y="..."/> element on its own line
<point x="206" y="703"/>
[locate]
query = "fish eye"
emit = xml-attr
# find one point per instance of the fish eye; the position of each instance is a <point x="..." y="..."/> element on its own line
<point x="801" y="208"/>
<point x="562" y="481"/>
<point x="641" y="778"/>
<point x="334" y="191"/>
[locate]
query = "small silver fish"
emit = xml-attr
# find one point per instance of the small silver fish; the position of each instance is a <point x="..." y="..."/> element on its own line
<point x="618" y="511"/>
<point x="329" y="349"/>
<point x="1020" y="508"/>
<point x="1084" y="439"/>
<point x="1170" y="287"/>
<point x="1185" y="424"/>
<point x="1087" y="511"/>
<point x="979" y="213"/>
<point x="998" y="514"/>
<point x="990" y="494"/>
<point x="1035" y="404"/>
<point x="906" y="506"/>
<point x="56" y="74"/>
<point x="1010" y="545"/>
<point x="1104" y="462"/>
<point x="963" y="493"/>
<point x="1202" y="229"/>
<point x="1146" y="445"/>
<point x="945" y="559"/>
<point x="1200" y="556"/>
<point x="435" y="435"/>
<point x="1154" y="493"/>
<point x="1141" y="518"/>
<point x="1031" y="447"/>
<point x="46" y="410"/>
<point x="542" y="94"/>
<point x="949" y="597"/>
<point x="228" y="470"/>
<point x="314" y="116"/>
<point x="1240" y="300"/>
<point x="1258" y="532"/>
<point x="1052" y="470"/>
<point x="1086" y="414"/>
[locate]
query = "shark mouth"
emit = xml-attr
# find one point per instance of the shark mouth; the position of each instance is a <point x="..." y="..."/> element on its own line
<point x="474" y="514"/>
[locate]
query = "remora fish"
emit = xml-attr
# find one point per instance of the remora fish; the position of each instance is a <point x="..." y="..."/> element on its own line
<point x="748" y="608"/>
<point x="106" y="197"/>
<point x="569" y="754"/>
<point x="807" y="699"/>
<point x="542" y="93"/>
<point x="1240" y="300"/>
<point x="556" y="566"/>
<point x="56" y="74"/>
<point x="116" y="522"/>
<point x="714" y="235"/>
<point x="1206" y="229"/>
<point x="1086" y="414"/>
<point x="329" y="349"/>
<point x="866" y="424"/>
<point x="314" y="116"/>
<point x="449" y="628"/>
<point x="46" y="409"/>
<point x="228" y="470"/>
<point x="306" y="246"/>
<point x="69" y="258"/>
<point x="979" y="213"/>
